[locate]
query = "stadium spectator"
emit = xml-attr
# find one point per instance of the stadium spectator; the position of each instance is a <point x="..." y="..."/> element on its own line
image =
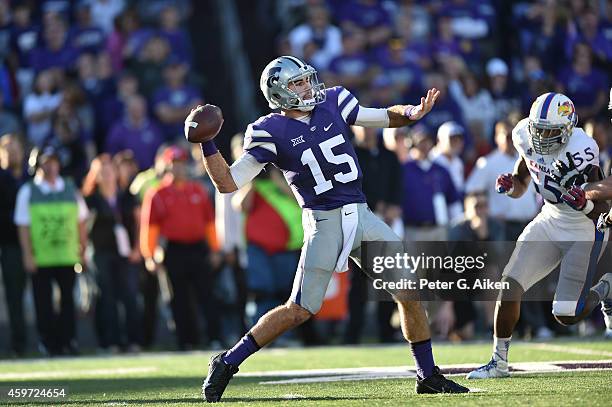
<point x="149" y="64"/>
<point x="477" y="226"/>
<point x="149" y="284"/>
<point x="583" y="84"/>
<point x="402" y="68"/>
<point x="117" y="282"/>
<point x="352" y="68"/>
<point x="416" y="50"/>
<point x="12" y="176"/>
<point x="173" y="101"/>
<point x="273" y="233"/>
<point x="541" y="32"/>
<point x="9" y="122"/>
<point x="367" y="15"/>
<point x="55" y="51"/>
<point x="177" y="37"/>
<point x="111" y="106"/>
<point x="504" y="95"/>
<point x="127" y="168"/>
<point x="181" y="212"/>
<point x="381" y="180"/>
<point x="86" y="36"/>
<point x="50" y="215"/>
<point x="447" y="152"/>
<point x="513" y="213"/>
<point x="25" y="35"/>
<point x="123" y="25"/>
<point x="395" y="140"/>
<point x="67" y="140"/>
<point x="39" y="106"/>
<point x="446" y="108"/>
<point x="319" y="32"/>
<point x="476" y="104"/>
<point x="590" y="30"/>
<point x="445" y="44"/>
<point x="427" y="213"/>
<point x="135" y="132"/>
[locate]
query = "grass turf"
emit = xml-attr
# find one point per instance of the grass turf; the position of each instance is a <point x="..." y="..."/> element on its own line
<point x="175" y="379"/>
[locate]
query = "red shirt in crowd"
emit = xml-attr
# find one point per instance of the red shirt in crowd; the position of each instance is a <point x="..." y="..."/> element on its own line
<point x="180" y="212"/>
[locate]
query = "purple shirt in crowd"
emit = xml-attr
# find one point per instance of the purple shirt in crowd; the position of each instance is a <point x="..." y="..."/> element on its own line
<point x="143" y="141"/>
<point x="87" y="39"/>
<point x="183" y="97"/>
<point x="419" y="185"/>
<point x="43" y="58"/>
<point x="583" y="89"/>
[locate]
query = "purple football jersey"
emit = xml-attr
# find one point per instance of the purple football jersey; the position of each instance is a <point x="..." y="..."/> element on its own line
<point x="317" y="158"/>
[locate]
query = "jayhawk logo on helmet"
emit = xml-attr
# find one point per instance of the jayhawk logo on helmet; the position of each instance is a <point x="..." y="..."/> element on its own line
<point x="566" y="109"/>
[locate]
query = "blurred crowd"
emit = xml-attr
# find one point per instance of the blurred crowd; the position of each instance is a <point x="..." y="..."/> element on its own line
<point x="107" y="213"/>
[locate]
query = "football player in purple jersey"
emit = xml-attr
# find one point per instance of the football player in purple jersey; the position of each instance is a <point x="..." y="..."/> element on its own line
<point x="309" y="140"/>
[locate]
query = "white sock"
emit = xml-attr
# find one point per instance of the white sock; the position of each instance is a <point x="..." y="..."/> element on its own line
<point x="500" y="348"/>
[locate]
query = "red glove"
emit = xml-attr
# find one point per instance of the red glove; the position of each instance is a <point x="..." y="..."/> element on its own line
<point x="575" y="197"/>
<point x="504" y="184"/>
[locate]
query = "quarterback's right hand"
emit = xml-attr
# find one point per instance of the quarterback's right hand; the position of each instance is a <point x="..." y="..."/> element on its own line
<point x="504" y="184"/>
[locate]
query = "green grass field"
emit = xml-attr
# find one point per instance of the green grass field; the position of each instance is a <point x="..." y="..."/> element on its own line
<point x="175" y="378"/>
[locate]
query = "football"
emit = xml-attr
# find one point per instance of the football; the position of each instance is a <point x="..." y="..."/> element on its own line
<point x="203" y="123"/>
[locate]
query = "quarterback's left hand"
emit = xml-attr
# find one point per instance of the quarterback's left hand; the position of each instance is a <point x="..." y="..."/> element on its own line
<point x="575" y="197"/>
<point x="427" y="103"/>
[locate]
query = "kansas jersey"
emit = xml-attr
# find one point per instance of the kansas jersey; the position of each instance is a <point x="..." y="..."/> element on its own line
<point x="317" y="158"/>
<point x="584" y="151"/>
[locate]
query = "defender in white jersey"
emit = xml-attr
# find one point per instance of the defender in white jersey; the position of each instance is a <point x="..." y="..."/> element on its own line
<point x="558" y="158"/>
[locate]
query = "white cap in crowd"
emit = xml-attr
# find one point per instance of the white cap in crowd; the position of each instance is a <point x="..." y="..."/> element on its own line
<point x="497" y="67"/>
<point x="449" y="129"/>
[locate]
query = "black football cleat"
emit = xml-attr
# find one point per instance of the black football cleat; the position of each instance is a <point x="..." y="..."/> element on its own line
<point x="219" y="375"/>
<point x="436" y="383"/>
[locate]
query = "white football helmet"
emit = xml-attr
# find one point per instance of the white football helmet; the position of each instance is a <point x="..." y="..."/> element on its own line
<point x="551" y="120"/>
<point x="275" y="80"/>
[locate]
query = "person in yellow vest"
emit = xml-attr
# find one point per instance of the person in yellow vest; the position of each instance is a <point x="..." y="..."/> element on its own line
<point x="50" y="215"/>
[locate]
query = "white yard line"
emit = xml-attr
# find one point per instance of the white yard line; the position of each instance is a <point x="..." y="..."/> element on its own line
<point x="59" y="374"/>
<point x="567" y="349"/>
<point x="400" y="372"/>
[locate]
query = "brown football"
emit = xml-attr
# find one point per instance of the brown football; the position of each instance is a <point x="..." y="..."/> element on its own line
<point x="203" y="123"/>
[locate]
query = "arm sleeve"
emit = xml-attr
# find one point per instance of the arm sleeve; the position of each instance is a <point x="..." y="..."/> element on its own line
<point x="371" y="117"/>
<point x="477" y="181"/>
<point x="245" y="168"/>
<point x="22" y="211"/>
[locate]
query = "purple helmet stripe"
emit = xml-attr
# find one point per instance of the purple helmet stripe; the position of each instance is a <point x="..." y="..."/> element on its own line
<point x="546" y="105"/>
